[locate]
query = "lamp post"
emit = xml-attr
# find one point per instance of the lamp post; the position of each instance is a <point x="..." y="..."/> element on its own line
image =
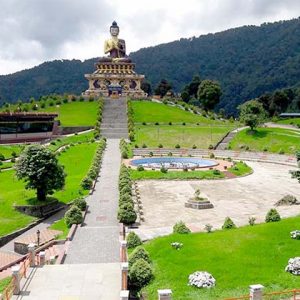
<point x="38" y="233"/>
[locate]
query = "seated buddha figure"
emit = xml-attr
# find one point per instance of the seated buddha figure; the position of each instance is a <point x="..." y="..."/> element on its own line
<point x="115" y="47"/>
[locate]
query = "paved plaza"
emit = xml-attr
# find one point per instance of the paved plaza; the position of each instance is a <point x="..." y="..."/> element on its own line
<point x="239" y="198"/>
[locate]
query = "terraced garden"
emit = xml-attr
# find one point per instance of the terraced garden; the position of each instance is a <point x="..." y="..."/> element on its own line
<point x="157" y="123"/>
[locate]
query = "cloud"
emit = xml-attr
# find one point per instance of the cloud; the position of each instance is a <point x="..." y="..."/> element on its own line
<point x="33" y="31"/>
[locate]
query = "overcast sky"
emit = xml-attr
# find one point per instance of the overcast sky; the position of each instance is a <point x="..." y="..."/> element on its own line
<point x="34" y="31"/>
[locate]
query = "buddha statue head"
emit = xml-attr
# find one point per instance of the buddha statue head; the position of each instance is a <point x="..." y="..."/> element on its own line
<point x="114" y="29"/>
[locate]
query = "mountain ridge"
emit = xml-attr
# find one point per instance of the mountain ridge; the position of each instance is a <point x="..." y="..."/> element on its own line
<point x="248" y="61"/>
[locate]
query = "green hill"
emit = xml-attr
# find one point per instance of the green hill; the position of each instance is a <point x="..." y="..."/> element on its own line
<point x="248" y="61"/>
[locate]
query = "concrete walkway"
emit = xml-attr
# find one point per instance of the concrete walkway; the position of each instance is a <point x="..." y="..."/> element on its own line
<point x="97" y="241"/>
<point x="72" y="282"/>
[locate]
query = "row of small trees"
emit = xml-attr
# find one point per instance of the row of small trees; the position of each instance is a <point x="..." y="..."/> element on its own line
<point x="126" y="212"/>
<point x="92" y="174"/>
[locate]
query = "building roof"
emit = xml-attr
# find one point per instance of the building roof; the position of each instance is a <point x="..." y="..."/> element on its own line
<point x="24" y="116"/>
<point x="290" y="115"/>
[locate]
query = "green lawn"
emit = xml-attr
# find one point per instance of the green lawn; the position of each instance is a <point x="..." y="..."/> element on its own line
<point x="75" y="113"/>
<point x="61" y="226"/>
<point x="272" y="139"/>
<point x="78" y="138"/>
<point x="76" y="159"/>
<point x="6" y="165"/>
<point x="4" y="283"/>
<point x="236" y="258"/>
<point x="149" y="174"/>
<point x="151" y="112"/>
<point x="7" y="150"/>
<point x="292" y="121"/>
<point x="185" y="136"/>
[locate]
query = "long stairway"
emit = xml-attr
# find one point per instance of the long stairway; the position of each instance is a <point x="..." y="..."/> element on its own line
<point x="114" y="120"/>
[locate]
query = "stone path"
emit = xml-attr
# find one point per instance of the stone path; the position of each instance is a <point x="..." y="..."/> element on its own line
<point x="97" y="241"/>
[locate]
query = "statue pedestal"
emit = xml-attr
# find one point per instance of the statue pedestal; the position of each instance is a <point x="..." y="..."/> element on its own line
<point x="115" y="79"/>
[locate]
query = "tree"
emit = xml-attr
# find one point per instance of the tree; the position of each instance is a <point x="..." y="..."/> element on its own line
<point x="146" y="87"/>
<point x="209" y="93"/>
<point x="252" y="113"/>
<point x="40" y="169"/>
<point x="163" y="87"/>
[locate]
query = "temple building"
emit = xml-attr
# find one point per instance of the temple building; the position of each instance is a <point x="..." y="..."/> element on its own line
<point x="27" y="127"/>
<point x="115" y="76"/>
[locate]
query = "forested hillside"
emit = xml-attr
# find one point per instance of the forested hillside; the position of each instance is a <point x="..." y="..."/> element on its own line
<point x="248" y="62"/>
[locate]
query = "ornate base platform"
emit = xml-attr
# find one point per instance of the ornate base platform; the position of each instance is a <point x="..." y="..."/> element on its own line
<point x="115" y="79"/>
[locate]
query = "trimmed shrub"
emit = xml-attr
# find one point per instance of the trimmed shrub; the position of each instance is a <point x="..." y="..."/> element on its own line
<point x="126" y="216"/>
<point x="144" y="146"/>
<point x="80" y="203"/>
<point x="163" y="169"/>
<point x="140" y="274"/>
<point x="125" y="198"/>
<point x="86" y="183"/>
<point x="228" y="224"/>
<point x="140" y="168"/>
<point x="160" y="146"/>
<point x="181" y="228"/>
<point x="138" y="253"/>
<point x="177" y="146"/>
<point x="133" y="240"/>
<point x="73" y="216"/>
<point x="272" y="216"/>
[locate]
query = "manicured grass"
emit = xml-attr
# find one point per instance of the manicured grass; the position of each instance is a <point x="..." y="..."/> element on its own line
<point x="75" y="113"/>
<point x="151" y="112"/>
<point x="78" y="138"/>
<point x="185" y="136"/>
<point x="292" y="121"/>
<point x="76" y="159"/>
<point x="4" y="283"/>
<point x="7" y="150"/>
<point x="61" y="225"/>
<point x="6" y="165"/>
<point x="240" y="169"/>
<point x="150" y="174"/>
<point x="236" y="258"/>
<point x="272" y="139"/>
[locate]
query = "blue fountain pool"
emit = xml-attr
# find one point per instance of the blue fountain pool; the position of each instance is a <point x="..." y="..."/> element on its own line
<point x="173" y="162"/>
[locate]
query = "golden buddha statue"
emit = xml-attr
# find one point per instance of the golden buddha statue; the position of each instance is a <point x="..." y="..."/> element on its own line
<point x="115" y="47"/>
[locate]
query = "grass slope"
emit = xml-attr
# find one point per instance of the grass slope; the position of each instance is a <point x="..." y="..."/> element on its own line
<point x="292" y="121"/>
<point x="76" y="159"/>
<point x="236" y="258"/>
<point x="75" y="113"/>
<point x="185" y="136"/>
<point x="272" y="139"/>
<point x="151" y="112"/>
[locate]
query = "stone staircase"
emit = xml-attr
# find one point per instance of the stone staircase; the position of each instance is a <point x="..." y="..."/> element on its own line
<point x="223" y="144"/>
<point x="114" y="119"/>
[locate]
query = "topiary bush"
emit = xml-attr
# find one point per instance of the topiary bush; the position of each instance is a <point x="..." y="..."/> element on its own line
<point x="140" y="168"/>
<point x="228" y="224"/>
<point x="181" y="228"/>
<point x="140" y="274"/>
<point x="86" y="183"/>
<point x="73" y="216"/>
<point x="126" y="215"/>
<point x="133" y="240"/>
<point x="138" y="253"/>
<point x="80" y="203"/>
<point x="272" y="216"/>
